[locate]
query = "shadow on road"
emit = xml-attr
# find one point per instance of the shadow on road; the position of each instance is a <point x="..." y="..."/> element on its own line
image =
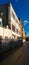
<point x="5" y="54"/>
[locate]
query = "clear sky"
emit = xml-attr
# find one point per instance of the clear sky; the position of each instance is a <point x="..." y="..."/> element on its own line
<point x="21" y="8"/>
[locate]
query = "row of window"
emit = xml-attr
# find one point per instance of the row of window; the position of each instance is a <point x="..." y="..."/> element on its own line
<point x="13" y="28"/>
<point x="14" y="17"/>
<point x="9" y="26"/>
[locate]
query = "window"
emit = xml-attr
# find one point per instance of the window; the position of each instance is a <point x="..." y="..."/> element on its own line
<point x="8" y="11"/>
<point x="0" y="39"/>
<point x="17" y="30"/>
<point x="1" y="13"/>
<point x="0" y="21"/>
<point x="9" y="25"/>
<point x="13" y="36"/>
<point x="3" y="23"/>
<point x="13" y="15"/>
<point x="16" y="21"/>
<point x="13" y="27"/>
<point x="6" y="37"/>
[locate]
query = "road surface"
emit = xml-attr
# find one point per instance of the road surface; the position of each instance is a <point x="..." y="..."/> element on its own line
<point x="19" y="56"/>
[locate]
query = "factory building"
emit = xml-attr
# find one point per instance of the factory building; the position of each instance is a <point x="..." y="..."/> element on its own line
<point x="10" y="25"/>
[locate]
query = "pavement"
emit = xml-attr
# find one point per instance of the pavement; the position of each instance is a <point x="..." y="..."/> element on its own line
<point x="18" y="56"/>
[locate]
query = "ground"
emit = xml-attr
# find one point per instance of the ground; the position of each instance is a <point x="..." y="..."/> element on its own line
<point x="19" y="56"/>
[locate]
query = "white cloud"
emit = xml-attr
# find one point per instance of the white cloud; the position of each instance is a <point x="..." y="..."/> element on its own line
<point x="25" y="22"/>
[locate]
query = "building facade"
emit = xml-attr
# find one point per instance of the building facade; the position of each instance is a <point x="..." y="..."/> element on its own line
<point x="10" y="25"/>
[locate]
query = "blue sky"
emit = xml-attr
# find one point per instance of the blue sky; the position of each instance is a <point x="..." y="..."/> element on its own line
<point x="21" y="8"/>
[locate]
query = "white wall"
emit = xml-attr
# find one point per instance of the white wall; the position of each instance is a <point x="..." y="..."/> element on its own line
<point x="5" y="32"/>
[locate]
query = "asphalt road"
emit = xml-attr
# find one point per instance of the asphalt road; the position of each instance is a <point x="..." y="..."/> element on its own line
<point x="19" y="56"/>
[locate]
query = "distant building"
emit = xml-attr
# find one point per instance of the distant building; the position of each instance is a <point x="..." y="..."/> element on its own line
<point x="27" y="38"/>
<point x="24" y="36"/>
